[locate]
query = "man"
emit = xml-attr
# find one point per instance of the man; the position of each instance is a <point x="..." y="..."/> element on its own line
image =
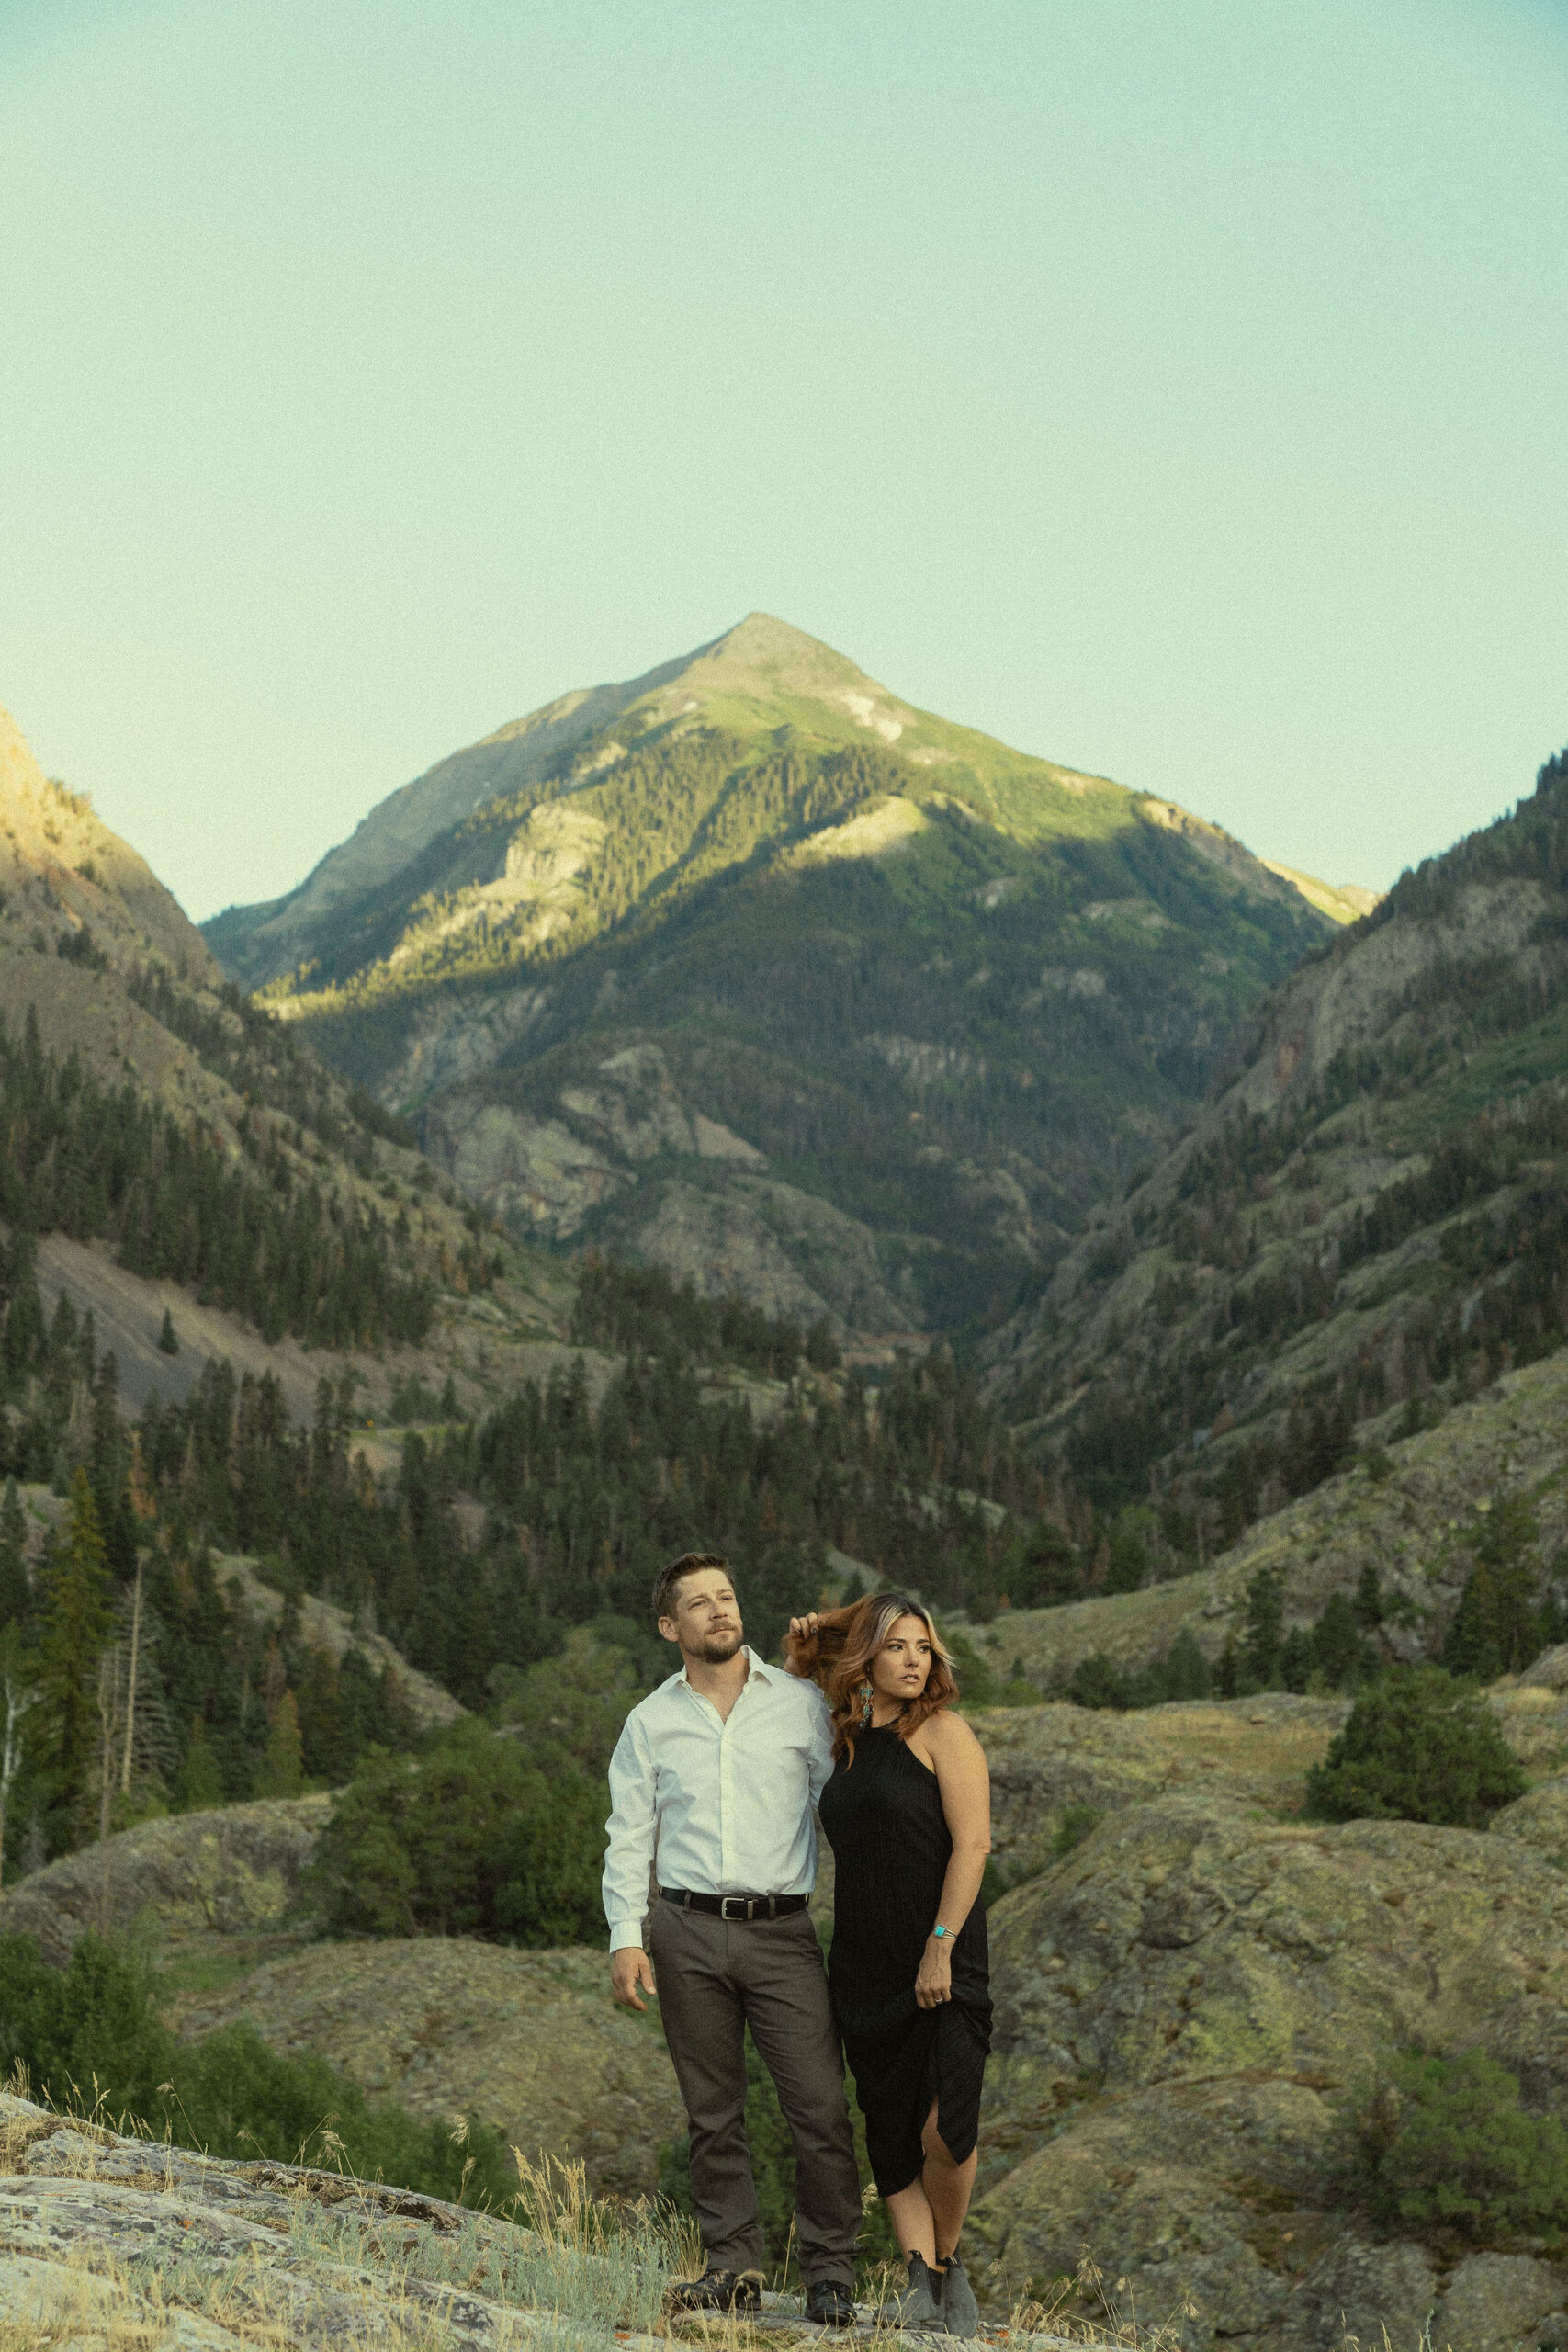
<point x="713" y="1780"/>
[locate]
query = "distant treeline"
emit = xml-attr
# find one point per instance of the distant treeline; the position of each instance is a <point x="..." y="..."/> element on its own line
<point x="644" y="1311"/>
<point x="249" y="1232"/>
<point x="1511" y="1608"/>
<point x="255" y="1053"/>
<point x="582" y="1504"/>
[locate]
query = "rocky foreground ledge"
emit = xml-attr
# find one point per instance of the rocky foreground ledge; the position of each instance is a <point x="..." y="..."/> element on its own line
<point x="110" y="2242"/>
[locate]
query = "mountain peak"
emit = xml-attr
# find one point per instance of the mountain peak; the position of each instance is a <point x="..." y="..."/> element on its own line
<point x="52" y="835"/>
<point x="777" y="650"/>
<point x="759" y="683"/>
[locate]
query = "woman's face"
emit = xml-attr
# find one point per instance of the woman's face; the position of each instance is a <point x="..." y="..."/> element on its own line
<point x="900" y="1668"/>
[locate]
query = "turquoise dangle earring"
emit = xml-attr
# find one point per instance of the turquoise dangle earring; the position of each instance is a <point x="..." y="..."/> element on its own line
<point x="865" y="1704"/>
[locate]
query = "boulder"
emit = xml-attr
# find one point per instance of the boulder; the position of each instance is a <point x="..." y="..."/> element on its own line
<point x="1549" y="1671"/>
<point x="1503" y="2303"/>
<point x="528" y="2041"/>
<point x="109" y="2241"/>
<point x="1185" y="2005"/>
<point x="1540" y="1817"/>
<point x="234" y="1871"/>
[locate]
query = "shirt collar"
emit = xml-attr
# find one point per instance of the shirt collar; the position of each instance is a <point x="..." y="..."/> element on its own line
<point x="756" y="1668"/>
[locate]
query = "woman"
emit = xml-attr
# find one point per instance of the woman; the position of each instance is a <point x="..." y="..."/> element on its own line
<point x="908" y="1814"/>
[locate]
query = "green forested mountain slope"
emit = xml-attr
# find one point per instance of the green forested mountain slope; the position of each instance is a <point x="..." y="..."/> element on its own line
<point x="763" y="681"/>
<point x="145" y="1106"/>
<point x="770" y="977"/>
<point x="1369" y="1223"/>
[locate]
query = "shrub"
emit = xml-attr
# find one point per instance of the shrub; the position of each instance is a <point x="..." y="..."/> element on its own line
<point x="1443" y="2144"/>
<point x="1422" y="1747"/>
<point x="471" y="1839"/>
<point x="1077" y="1822"/>
<point x="93" y="2028"/>
<point x="568" y="1710"/>
<point x="1095" y="1683"/>
<point x="236" y="2096"/>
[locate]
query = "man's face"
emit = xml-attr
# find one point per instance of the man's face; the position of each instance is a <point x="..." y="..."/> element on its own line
<point x="705" y="1617"/>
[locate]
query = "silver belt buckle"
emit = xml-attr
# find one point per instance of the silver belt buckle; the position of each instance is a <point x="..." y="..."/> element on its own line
<point x="724" y="1912"/>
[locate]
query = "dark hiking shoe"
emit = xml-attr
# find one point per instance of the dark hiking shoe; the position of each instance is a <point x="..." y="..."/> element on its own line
<point x="917" y="2307"/>
<point x="718" y="2290"/>
<point x="829" y="2303"/>
<point x="960" y="2312"/>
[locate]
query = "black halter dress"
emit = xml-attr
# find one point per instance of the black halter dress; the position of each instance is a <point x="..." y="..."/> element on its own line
<point x="882" y="1814"/>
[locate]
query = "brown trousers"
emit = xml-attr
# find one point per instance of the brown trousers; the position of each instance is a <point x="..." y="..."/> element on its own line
<point x="714" y="1979"/>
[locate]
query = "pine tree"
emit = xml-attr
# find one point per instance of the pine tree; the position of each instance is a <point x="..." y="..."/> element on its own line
<point x="200" y="1785"/>
<point x="1495" y="1629"/>
<point x="1187" y="1674"/>
<point x="1337" y="1641"/>
<point x="1296" y="1660"/>
<point x="166" y="1339"/>
<point x="16" y="1594"/>
<point x="17" y="1700"/>
<point x="282" y="1772"/>
<point x="76" y="1624"/>
<point x="1265" y="1627"/>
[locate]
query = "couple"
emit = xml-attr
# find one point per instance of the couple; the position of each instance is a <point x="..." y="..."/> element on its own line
<point x="713" y="1783"/>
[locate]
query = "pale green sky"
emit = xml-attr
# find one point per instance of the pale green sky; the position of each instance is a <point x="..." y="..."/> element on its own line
<point x="1176" y="389"/>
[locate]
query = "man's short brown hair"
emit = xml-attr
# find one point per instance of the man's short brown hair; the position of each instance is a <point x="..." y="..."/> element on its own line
<point x="669" y="1578"/>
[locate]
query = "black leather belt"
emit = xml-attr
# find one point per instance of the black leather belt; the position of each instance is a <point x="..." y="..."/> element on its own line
<point x="734" y="1907"/>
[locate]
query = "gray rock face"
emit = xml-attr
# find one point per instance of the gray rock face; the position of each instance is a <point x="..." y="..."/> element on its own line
<point x="1184" y="2007"/>
<point x="235" y="1871"/>
<point x="621" y="1153"/>
<point x="527" y="2041"/>
<point x="1495" y="2301"/>
<point x="108" y="2241"/>
<point x="1540" y="1818"/>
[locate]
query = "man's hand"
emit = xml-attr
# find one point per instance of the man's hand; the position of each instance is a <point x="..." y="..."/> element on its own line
<point x="631" y="1975"/>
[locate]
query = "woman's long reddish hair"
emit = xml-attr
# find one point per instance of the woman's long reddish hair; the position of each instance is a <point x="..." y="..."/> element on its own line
<point x="838" y="1653"/>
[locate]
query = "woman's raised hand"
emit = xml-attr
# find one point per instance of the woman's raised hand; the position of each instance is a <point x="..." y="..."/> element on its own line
<point x="801" y="1626"/>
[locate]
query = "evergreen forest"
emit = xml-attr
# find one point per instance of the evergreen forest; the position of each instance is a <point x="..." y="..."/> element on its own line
<point x="1267" y="1235"/>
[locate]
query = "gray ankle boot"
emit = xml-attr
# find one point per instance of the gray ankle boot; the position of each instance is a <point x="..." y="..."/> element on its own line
<point x="960" y="2312"/>
<point x="917" y="2307"/>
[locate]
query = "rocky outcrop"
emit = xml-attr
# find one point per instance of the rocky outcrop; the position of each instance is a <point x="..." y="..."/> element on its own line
<point x="527" y="2041"/>
<point x="324" y="1626"/>
<point x="1185" y="2003"/>
<point x="108" y="2241"/>
<point x="786" y="1251"/>
<point x="622" y="1151"/>
<point x="236" y="1871"/>
<point x="1053" y="1766"/>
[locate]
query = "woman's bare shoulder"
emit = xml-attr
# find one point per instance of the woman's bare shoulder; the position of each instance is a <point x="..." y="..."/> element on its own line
<point x="947" y="1734"/>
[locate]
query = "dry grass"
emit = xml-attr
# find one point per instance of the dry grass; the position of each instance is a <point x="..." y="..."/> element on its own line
<point x="565" y="2270"/>
<point x="331" y="2259"/>
<point x="1272" y="1757"/>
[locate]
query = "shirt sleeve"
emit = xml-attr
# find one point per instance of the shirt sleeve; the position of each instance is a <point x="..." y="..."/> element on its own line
<point x="820" y="1753"/>
<point x="633" y="1831"/>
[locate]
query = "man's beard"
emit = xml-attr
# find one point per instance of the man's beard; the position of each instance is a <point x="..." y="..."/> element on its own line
<point x="716" y="1649"/>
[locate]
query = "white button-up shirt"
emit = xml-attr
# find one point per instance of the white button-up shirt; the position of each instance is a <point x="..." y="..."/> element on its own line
<point x="723" y="1804"/>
